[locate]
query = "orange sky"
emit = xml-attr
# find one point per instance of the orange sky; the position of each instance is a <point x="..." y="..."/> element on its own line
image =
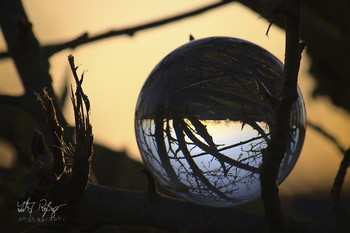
<point x="117" y="68"/>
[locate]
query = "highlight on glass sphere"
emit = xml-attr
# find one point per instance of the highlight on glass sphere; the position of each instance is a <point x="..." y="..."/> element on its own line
<point x="204" y="116"/>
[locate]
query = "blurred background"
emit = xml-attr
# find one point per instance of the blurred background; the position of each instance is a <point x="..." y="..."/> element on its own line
<point x="118" y="66"/>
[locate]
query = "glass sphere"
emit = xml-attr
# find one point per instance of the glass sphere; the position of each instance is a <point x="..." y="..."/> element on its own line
<point x="205" y="114"/>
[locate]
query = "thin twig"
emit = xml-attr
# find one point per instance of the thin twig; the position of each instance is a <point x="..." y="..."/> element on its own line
<point x="56" y="130"/>
<point x="339" y="179"/>
<point x="327" y="135"/>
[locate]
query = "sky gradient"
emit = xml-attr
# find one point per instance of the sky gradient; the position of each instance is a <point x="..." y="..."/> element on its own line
<point x="117" y="68"/>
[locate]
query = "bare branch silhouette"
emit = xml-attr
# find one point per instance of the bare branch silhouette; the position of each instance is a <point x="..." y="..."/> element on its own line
<point x="31" y="64"/>
<point x="213" y="150"/>
<point x="50" y="50"/>
<point x="338" y="185"/>
<point x="327" y="135"/>
<point x="273" y="155"/>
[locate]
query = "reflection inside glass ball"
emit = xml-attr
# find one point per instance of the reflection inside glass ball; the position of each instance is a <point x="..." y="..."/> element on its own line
<point x="204" y="116"/>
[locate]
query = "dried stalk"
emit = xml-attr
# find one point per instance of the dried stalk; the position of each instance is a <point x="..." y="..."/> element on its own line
<point x="83" y="149"/>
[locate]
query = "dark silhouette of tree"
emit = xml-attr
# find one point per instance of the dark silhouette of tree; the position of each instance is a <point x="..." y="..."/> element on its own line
<point x="55" y="165"/>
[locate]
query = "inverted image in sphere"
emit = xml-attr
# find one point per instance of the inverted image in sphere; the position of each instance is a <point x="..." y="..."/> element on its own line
<point x="204" y="116"/>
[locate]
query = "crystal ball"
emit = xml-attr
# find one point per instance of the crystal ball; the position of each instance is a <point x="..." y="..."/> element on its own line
<point x="204" y="116"/>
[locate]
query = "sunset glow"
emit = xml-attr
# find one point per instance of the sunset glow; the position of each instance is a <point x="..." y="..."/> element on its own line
<point x="117" y="68"/>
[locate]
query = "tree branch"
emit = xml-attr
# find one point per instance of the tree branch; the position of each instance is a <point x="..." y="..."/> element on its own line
<point x="85" y="38"/>
<point x="339" y="179"/>
<point x="338" y="184"/>
<point x="280" y="135"/>
<point x="327" y="135"/>
<point x="30" y="61"/>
